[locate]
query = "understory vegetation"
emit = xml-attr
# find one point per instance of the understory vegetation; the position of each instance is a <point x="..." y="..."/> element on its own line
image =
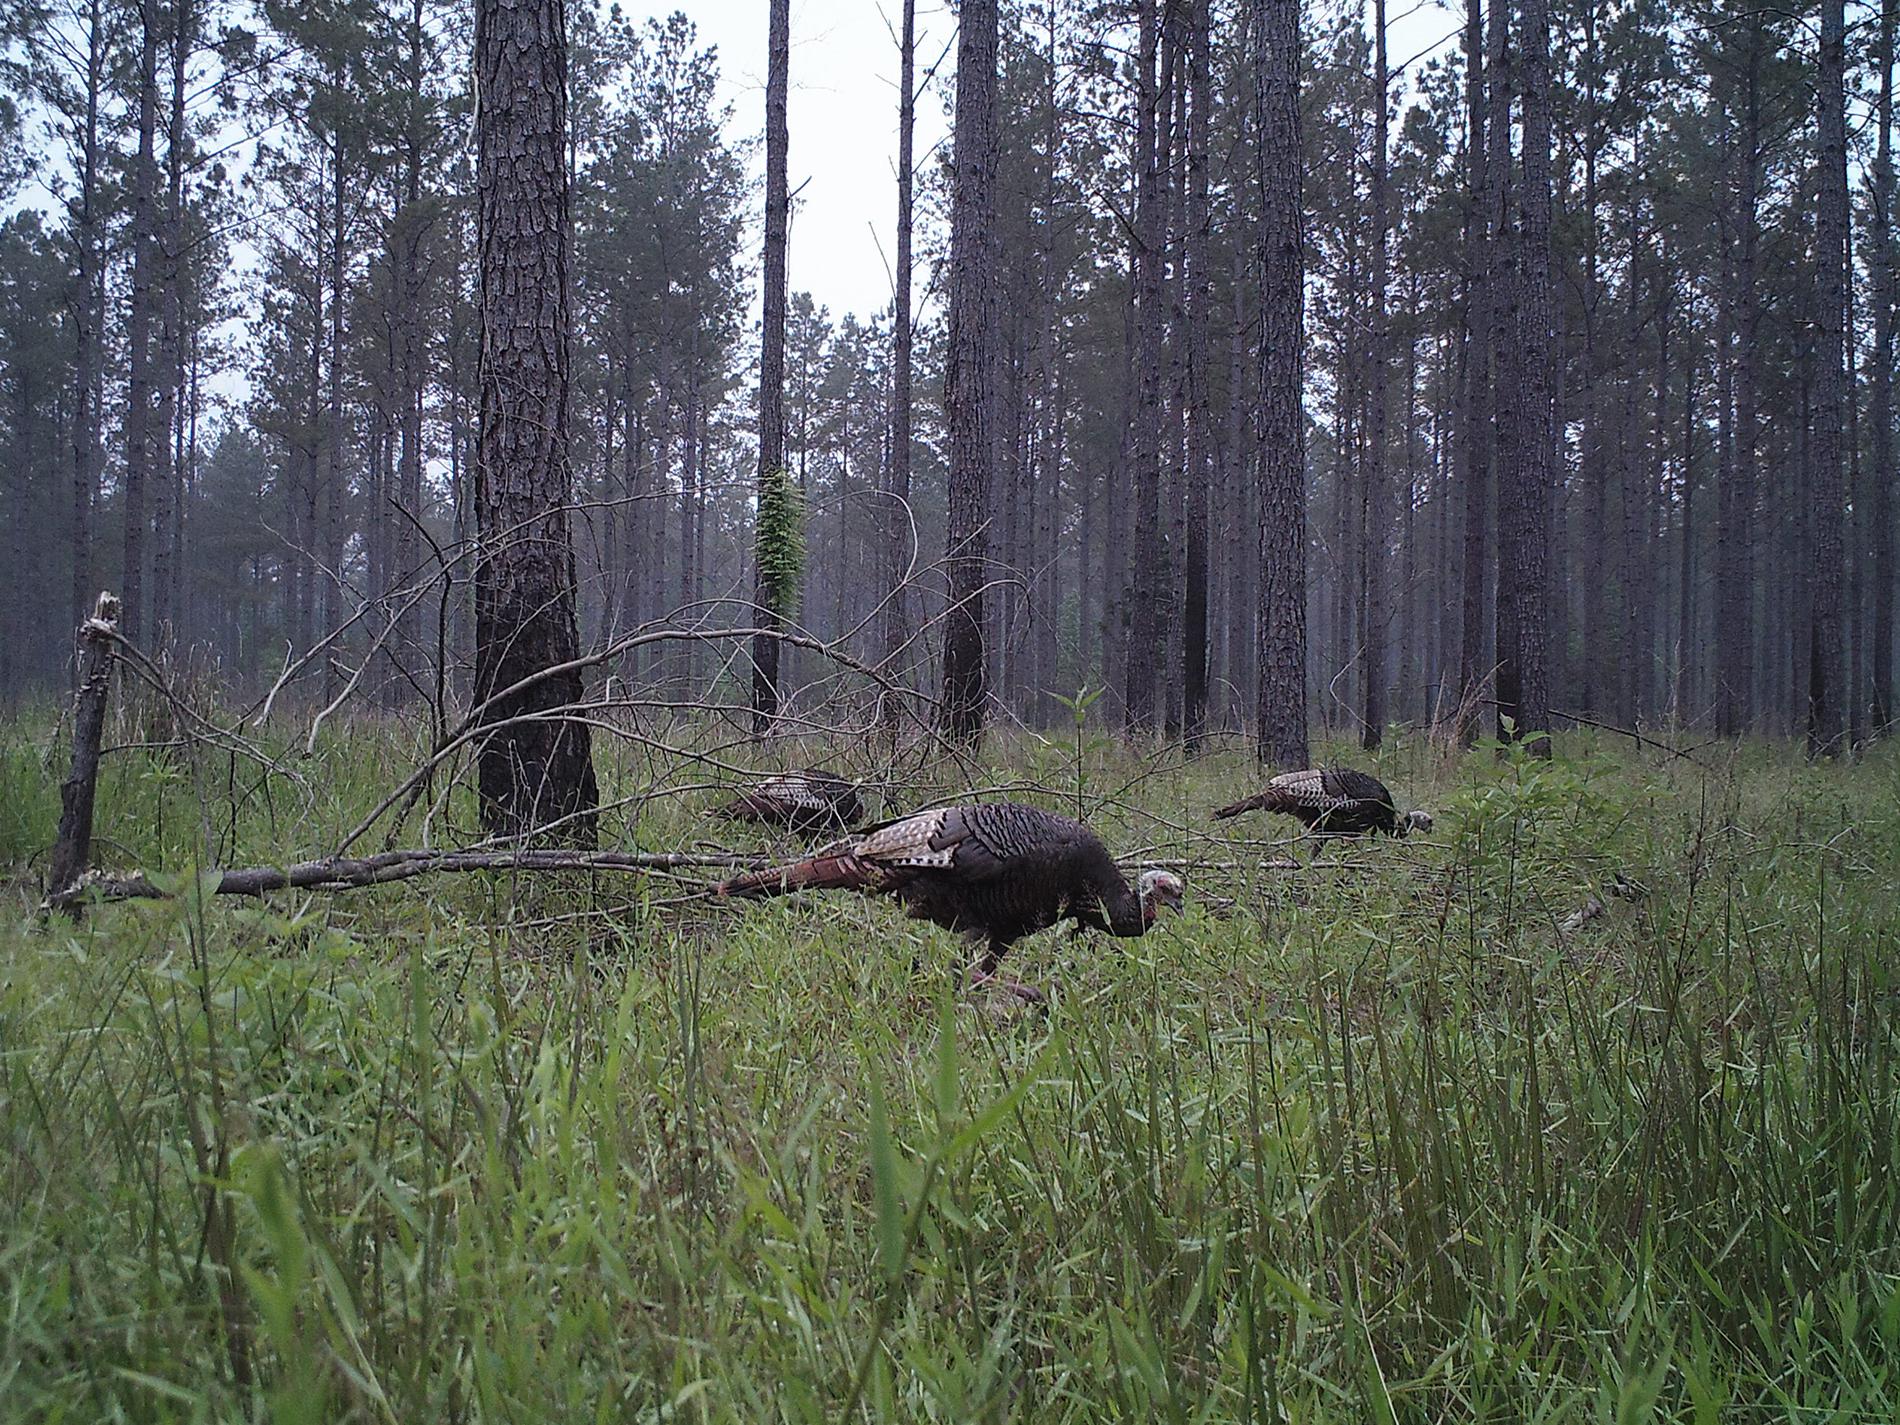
<point x="1585" y="1107"/>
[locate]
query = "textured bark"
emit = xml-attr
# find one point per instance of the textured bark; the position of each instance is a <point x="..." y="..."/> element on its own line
<point x="1374" y="627"/>
<point x="166" y="474"/>
<point x="1524" y="467"/>
<point x="1200" y="405"/>
<point x="1145" y="586"/>
<point x="765" y="649"/>
<point x="1734" y="596"/>
<point x="1880" y="407"/>
<point x="1825" y="725"/>
<point x="72" y="846"/>
<point x="88" y="308"/>
<point x="1280" y="712"/>
<point x="969" y="377"/>
<point x="413" y="357"/>
<point x="897" y="522"/>
<point x="1473" y="670"/>
<point x="1687" y="637"/>
<point x="538" y="772"/>
<point x="138" y="411"/>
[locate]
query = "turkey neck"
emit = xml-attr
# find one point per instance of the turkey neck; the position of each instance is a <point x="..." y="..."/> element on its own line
<point x="1120" y="908"/>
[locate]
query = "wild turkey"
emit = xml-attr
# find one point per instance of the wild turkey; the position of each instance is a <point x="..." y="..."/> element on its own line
<point x="1333" y="801"/>
<point x="995" y="871"/>
<point x="805" y="800"/>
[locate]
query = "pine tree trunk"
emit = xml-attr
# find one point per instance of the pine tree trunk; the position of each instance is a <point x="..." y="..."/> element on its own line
<point x="1144" y="588"/>
<point x="171" y="235"/>
<point x="1735" y="596"/>
<point x="138" y="413"/>
<point x="1473" y="670"/>
<point x="1524" y="471"/>
<point x="969" y="378"/>
<point x="1374" y="628"/>
<point x="766" y="600"/>
<point x="536" y="773"/>
<point x="1880" y="411"/>
<point x="1280" y="712"/>
<point x="88" y="309"/>
<point x="1825" y="701"/>
<point x="1200" y="406"/>
<point x="897" y="519"/>
<point x="1687" y="636"/>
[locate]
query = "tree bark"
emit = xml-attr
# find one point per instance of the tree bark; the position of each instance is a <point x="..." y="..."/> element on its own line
<point x="1145" y="591"/>
<point x="537" y="773"/>
<point x="969" y="377"/>
<point x="1473" y="670"/>
<point x="766" y="598"/>
<point x="1735" y="596"/>
<point x="88" y="308"/>
<point x="1280" y="711"/>
<point x="1825" y="723"/>
<point x="1374" y="628"/>
<point x="1880" y="411"/>
<point x="1200" y="405"/>
<point x="897" y="523"/>
<point x="1524" y="467"/>
<point x="138" y="411"/>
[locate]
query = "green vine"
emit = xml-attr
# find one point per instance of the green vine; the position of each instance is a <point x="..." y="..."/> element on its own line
<point x="781" y="537"/>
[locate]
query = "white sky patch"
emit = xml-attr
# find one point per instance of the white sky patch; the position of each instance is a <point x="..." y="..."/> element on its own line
<point x="842" y="123"/>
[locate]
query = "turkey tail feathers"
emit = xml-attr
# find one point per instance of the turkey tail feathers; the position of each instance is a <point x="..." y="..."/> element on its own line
<point x="824" y="872"/>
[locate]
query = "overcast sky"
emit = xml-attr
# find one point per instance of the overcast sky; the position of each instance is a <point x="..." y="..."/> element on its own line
<point x="843" y="120"/>
<point x="843" y="127"/>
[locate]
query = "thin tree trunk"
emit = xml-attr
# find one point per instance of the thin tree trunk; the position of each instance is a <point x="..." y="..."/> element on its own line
<point x="1825" y="702"/>
<point x="1144" y="632"/>
<point x="1880" y="411"/>
<point x="537" y="773"/>
<point x="1200" y="405"/>
<point x="767" y="599"/>
<point x="1473" y="670"/>
<point x="1524" y="470"/>
<point x="1280" y="712"/>
<point x="1686" y="630"/>
<point x="897" y="524"/>
<point x="88" y="307"/>
<point x="1735" y="597"/>
<point x="1372" y="564"/>
<point x="138" y="413"/>
<point x="969" y="378"/>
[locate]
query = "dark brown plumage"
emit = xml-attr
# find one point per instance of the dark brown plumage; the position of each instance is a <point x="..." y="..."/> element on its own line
<point x="805" y="800"/>
<point x="1333" y="801"/>
<point x="994" y="870"/>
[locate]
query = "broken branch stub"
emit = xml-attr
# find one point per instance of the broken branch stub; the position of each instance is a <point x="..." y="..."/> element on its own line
<point x="72" y="848"/>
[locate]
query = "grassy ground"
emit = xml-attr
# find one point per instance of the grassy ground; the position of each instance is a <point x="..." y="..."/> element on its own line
<point x="1374" y="1140"/>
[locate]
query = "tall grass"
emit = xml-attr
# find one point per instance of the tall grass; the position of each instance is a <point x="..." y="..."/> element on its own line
<point x="1375" y="1140"/>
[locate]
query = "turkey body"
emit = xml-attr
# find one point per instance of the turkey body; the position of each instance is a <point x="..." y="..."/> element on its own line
<point x="1332" y="801"/>
<point x="992" y="870"/>
<point x="805" y="800"/>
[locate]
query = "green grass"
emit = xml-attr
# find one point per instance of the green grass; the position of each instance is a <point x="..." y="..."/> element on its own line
<point x="1375" y="1140"/>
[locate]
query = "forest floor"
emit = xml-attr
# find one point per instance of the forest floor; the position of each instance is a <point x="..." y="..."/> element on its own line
<point x="1393" y="1135"/>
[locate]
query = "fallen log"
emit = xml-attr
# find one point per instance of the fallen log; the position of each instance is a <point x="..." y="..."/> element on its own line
<point x="348" y="873"/>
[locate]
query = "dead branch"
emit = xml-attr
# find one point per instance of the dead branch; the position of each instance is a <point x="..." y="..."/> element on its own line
<point x="353" y="873"/>
<point x="73" y="848"/>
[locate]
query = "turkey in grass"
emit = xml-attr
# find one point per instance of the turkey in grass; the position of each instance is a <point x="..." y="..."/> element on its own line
<point x="805" y="800"/>
<point x="1333" y="801"/>
<point x="995" y="871"/>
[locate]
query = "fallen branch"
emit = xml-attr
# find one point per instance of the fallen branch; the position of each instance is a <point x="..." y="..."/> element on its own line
<point x="351" y="873"/>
